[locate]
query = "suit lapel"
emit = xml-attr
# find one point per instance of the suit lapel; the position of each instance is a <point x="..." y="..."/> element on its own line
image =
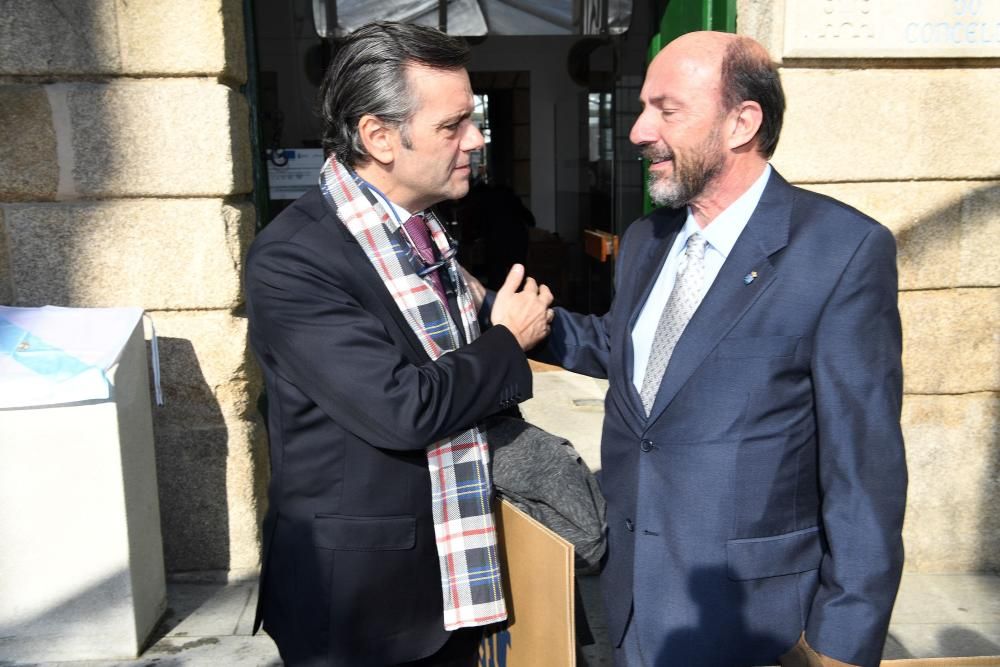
<point x="729" y="296"/>
<point x="652" y="253"/>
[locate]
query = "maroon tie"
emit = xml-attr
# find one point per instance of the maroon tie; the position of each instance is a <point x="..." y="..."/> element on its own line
<point x="417" y="230"/>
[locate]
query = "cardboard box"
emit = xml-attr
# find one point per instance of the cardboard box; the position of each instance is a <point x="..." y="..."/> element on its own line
<point x="538" y="584"/>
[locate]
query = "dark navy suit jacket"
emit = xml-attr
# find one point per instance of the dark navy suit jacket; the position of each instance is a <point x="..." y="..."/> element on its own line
<point x="350" y="571"/>
<point x="764" y="495"/>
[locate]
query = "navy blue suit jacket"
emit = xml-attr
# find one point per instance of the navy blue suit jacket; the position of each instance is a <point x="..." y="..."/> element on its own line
<point x="350" y="570"/>
<point x="764" y="494"/>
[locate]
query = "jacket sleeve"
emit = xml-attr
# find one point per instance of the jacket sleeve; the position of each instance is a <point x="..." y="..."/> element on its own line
<point x="582" y="343"/>
<point x="857" y="376"/>
<point x="314" y="333"/>
<point x="578" y="343"/>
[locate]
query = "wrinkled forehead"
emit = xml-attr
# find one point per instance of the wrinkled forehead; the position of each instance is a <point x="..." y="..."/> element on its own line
<point x="432" y="81"/>
<point x="681" y="75"/>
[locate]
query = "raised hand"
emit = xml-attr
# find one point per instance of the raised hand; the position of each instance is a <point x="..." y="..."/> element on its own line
<point x="524" y="312"/>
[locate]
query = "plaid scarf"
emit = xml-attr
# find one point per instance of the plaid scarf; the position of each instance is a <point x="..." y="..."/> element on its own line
<point x="459" y="466"/>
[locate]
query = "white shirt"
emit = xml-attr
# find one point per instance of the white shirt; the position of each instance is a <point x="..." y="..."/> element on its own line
<point x="721" y="235"/>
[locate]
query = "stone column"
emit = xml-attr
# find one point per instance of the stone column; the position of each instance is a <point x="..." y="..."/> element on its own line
<point x="911" y="142"/>
<point x="125" y="174"/>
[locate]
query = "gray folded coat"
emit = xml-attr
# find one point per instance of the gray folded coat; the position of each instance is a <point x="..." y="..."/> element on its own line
<point x="542" y="475"/>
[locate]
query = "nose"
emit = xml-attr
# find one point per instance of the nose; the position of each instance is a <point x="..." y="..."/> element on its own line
<point x="642" y="131"/>
<point x="472" y="139"/>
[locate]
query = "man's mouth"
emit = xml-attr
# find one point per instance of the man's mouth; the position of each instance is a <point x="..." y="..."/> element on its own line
<point x="657" y="157"/>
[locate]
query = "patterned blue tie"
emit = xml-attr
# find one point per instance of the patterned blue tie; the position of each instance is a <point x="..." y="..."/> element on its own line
<point x="683" y="301"/>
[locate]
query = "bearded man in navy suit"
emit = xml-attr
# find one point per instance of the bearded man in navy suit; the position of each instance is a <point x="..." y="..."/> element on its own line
<point x="752" y="457"/>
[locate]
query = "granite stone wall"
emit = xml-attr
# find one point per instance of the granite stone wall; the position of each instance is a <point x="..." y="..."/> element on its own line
<point x="125" y="173"/>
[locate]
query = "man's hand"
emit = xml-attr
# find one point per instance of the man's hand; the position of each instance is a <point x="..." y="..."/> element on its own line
<point x="525" y="313"/>
<point x="804" y="655"/>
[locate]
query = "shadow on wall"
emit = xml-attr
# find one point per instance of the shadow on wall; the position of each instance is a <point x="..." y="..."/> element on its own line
<point x="955" y="238"/>
<point x="191" y="455"/>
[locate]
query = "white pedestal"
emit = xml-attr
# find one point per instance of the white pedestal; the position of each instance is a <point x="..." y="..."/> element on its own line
<point x="81" y="556"/>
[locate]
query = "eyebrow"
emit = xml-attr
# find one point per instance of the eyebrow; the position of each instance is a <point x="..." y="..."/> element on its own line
<point x="660" y="100"/>
<point x="454" y="118"/>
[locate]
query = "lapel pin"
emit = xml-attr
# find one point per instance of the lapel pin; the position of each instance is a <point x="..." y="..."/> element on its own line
<point x="749" y="278"/>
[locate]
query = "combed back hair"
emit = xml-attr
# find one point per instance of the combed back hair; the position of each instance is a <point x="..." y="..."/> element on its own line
<point x="368" y="76"/>
<point x="749" y="75"/>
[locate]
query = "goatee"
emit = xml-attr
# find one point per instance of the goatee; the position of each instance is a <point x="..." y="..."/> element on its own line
<point x="690" y="176"/>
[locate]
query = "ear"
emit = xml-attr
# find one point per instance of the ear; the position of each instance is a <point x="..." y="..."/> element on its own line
<point x="377" y="138"/>
<point x="745" y="121"/>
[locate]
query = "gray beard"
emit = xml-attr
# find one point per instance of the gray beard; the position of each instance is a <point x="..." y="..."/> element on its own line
<point x="686" y="183"/>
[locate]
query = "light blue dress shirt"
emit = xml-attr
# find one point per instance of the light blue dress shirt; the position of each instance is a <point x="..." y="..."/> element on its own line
<point x="721" y="235"/>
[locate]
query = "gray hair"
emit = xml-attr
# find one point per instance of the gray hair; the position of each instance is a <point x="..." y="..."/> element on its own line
<point x="368" y="76"/>
<point x="749" y="74"/>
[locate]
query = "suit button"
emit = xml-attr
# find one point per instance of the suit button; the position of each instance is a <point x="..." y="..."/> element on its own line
<point x="645" y="445"/>
<point x="628" y="525"/>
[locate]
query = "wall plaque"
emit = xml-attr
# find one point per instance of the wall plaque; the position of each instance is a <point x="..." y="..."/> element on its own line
<point x="892" y="29"/>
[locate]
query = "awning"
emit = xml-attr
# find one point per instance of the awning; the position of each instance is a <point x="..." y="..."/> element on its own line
<point x="334" y="18"/>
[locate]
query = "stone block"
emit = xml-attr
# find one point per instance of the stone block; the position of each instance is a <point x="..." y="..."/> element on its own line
<point x="247" y="477"/>
<point x="211" y="445"/>
<point x="59" y="37"/>
<point x="951" y="341"/>
<point x="211" y="32"/>
<point x="163" y="137"/>
<point x="183" y="37"/>
<point x="194" y="512"/>
<point x="877" y="125"/>
<point x="764" y="21"/>
<point x="150" y="253"/>
<point x="211" y="496"/>
<point x="979" y="253"/>
<point x="953" y="505"/>
<point x="944" y="229"/>
<point x="29" y="169"/>
<point x="208" y="374"/>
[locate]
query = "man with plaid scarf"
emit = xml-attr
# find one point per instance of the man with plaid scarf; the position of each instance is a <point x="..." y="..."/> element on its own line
<point x="379" y="542"/>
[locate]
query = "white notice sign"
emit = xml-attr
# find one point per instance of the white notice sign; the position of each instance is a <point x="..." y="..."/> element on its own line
<point x="892" y="29"/>
<point x="292" y="171"/>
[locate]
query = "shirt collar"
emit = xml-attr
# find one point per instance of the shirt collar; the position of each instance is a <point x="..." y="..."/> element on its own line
<point x="401" y="214"/>
<point x="722" y="232"/>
